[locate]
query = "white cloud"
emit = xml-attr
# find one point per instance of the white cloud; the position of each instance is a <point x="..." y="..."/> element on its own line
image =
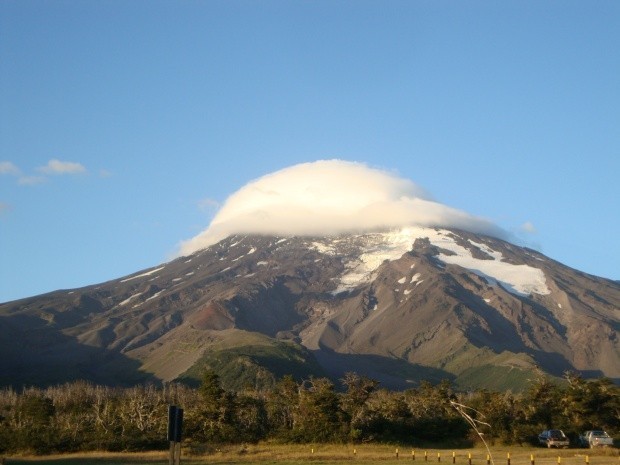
<point x="30" y="180"/>
<point x="62" y="167"/>
<point x="208" y="204"/>
<point x="7" y="167"/>
<point x="330" y="197"/>
<point x="528" y="227"/>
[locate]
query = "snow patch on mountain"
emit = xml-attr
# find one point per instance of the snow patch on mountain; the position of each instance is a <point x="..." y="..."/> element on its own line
<point x="129" y="299"/>
<point x="521" y="280"/>
<point x="148" y="273"/>
<point x="325" y="249"/>
<point x="376" y="248"/>
<point x="154" y="296"/>
<point x="487" y="250"/>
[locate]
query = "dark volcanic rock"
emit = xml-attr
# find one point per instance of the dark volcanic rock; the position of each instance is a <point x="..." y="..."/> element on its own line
<point x="399" y="307"/>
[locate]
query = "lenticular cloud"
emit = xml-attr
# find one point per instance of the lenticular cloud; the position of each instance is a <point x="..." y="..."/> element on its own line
<point x="330" y="197"/>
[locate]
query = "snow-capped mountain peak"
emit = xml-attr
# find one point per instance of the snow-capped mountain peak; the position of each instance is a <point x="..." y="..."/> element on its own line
<point x="376" y="248"/>
<point x="399" y="306"/>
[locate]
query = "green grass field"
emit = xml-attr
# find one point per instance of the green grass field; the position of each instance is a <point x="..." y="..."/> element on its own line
<point x="267" y="454"/>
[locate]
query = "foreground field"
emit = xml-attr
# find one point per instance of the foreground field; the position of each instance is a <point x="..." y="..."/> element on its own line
<point x="267" y="454"/>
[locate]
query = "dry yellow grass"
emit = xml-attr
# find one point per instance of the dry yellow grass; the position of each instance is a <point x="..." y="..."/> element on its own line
<point x="388" y="454"/>
<point x="266" y="453"/>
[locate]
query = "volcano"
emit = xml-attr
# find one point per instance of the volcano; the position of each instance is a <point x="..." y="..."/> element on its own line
<point x="400" y="306"/>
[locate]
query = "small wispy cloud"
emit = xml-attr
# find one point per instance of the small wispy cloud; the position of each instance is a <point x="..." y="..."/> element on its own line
<point x="54" y="167"/>
<point x="7" y="167"/>
<point x="208" y="204"/>
<point x="528" y="227"/>
<point x="31" y="180"/>
<point x="57" y="167"/>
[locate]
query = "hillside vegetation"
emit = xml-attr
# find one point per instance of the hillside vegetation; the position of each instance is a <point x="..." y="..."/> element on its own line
<point x="80" y="416"/>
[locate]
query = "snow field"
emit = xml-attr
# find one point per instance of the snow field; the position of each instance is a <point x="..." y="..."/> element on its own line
<point x="520" y="280"/>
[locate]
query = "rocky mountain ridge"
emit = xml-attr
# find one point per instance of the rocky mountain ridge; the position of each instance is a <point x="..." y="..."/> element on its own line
<point x="398" y="306"/>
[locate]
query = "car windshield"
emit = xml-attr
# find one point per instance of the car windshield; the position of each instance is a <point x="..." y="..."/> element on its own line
<point x="599" y="433"/>
<point x="556" y="434"/>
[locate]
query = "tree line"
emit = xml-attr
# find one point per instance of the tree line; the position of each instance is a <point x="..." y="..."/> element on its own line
<point x="80" y="416"/>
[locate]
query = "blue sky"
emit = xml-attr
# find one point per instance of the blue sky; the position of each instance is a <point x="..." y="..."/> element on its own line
<point x="124" y="125"/>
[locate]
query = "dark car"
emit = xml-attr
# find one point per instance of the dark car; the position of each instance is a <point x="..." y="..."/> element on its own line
<point x="553" y="438"/>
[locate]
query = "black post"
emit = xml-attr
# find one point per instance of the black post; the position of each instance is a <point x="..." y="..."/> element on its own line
<point x="178" y="425"/>
<point x="175" y="433"/>
<point x="172" y="412"/>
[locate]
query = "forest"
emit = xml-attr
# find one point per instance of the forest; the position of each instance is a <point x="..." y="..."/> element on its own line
<point x="80" y="416"/>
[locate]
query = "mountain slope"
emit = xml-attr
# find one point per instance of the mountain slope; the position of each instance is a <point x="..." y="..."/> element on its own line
<point x="398" y="306"/>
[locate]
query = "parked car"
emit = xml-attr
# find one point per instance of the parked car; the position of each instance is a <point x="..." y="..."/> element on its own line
<point x="595" y="438"/>
<point x="553" y="438"/>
